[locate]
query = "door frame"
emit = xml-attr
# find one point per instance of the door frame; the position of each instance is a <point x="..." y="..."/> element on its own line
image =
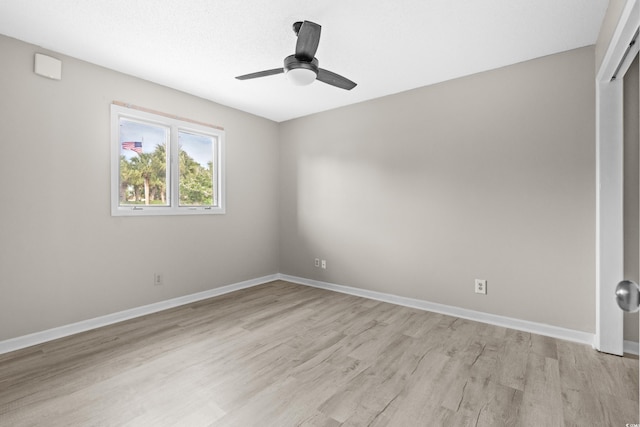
<point x="609" y="180"/>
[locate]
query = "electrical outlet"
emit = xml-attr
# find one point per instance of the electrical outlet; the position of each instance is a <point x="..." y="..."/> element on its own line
<point x="481" y="286"/>
<point x="317" y="262"/>
<point x="324" y="264"/>
<point x="157" y="279"/>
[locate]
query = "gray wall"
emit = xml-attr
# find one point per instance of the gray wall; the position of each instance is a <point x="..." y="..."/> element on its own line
<point x="490" y="176"/>
<point x="63" y="258"/>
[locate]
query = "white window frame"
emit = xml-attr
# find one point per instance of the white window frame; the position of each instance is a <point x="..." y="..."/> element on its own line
<point x="175" y="125"/>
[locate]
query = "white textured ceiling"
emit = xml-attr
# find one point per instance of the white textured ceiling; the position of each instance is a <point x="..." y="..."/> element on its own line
<point x="386" y="46"/>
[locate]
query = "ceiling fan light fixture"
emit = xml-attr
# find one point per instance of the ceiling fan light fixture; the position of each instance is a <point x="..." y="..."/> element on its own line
<point x="301" y="76"/>
<point x="300" y="73"/>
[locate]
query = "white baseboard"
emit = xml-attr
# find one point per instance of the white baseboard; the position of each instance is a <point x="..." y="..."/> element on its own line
<point x="109" y="319"/>
<point x="507" y="322"/>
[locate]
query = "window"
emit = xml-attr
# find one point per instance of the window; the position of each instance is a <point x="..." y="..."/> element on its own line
<point x="164" y="166"/>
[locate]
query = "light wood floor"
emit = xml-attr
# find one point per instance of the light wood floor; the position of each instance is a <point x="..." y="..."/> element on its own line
<point x="285" y="355"/>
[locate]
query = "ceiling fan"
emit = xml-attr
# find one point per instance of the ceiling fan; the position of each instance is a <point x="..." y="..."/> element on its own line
<point x="302" y="68"/>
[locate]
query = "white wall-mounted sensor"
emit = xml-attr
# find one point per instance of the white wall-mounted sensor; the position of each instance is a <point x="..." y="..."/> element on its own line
<point x="47" y="66"/>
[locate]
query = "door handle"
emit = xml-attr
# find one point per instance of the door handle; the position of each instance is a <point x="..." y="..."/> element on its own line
<point x="628" y="296"/>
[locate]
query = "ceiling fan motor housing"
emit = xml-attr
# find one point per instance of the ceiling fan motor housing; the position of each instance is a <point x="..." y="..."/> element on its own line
<point x="291" y="63"/>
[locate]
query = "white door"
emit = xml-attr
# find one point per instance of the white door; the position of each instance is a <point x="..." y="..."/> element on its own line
<point x="609" y="172"/>
<point x="627" y="291"/>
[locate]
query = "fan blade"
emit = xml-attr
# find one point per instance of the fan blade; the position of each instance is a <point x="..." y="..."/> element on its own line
<point x="334" y="79"/>
<point x="264" y="73"/>
<point x="308" y="40"/>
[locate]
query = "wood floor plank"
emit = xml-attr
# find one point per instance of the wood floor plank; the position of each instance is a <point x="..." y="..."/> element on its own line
<point x="512" y="360"/>
<point x="542" y="398"/>
<point x="282" y="354"/>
